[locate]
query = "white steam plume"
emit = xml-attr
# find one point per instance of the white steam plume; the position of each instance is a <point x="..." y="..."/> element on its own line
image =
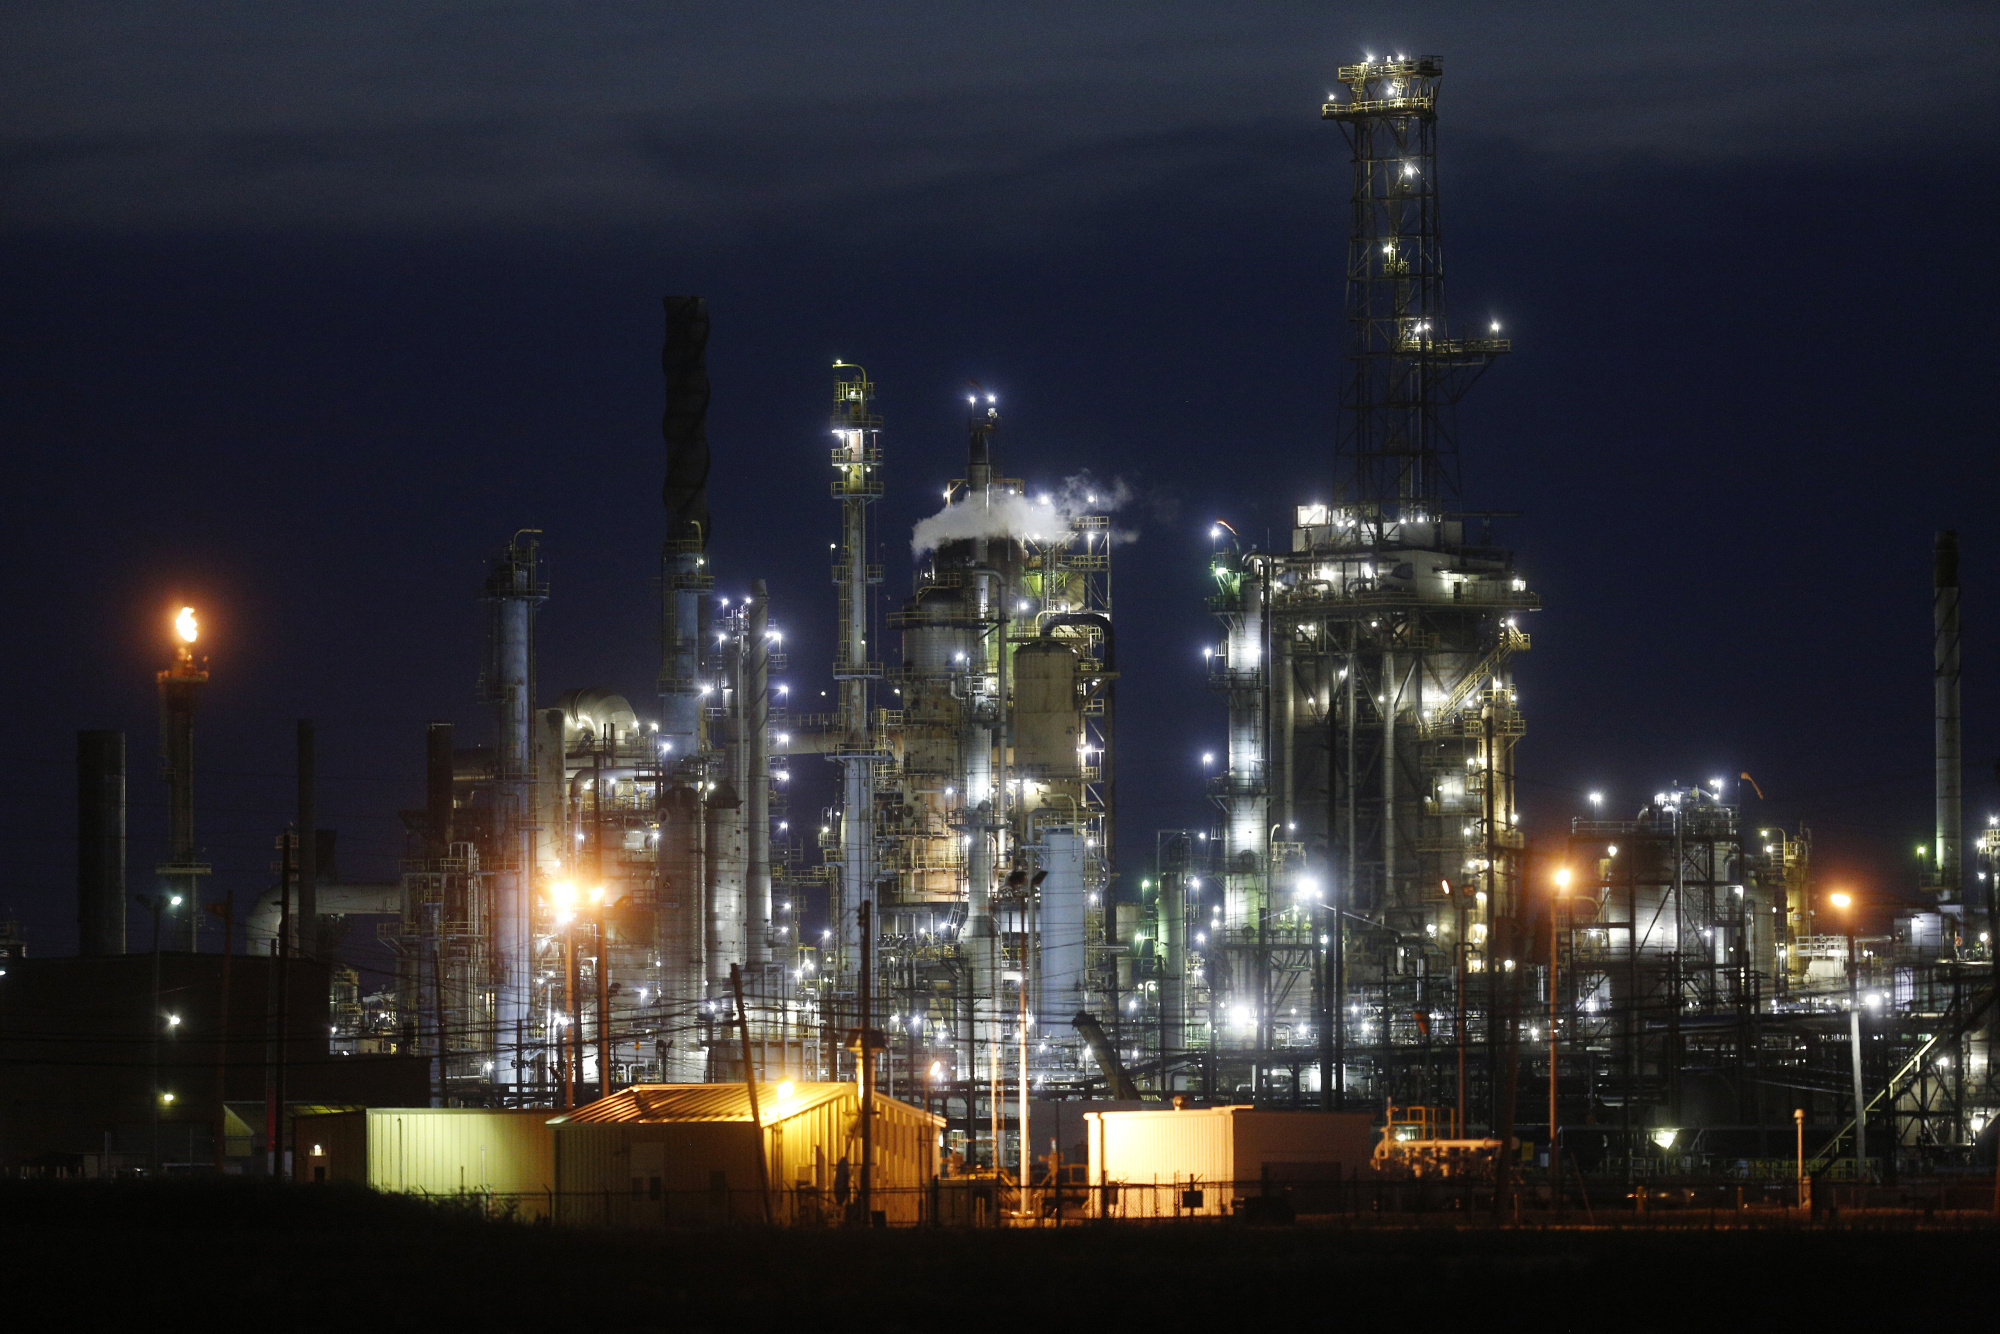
<point x="1038" y="515"/>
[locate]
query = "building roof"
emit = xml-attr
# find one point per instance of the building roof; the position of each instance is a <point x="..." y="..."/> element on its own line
<point x="706" y="1102"/>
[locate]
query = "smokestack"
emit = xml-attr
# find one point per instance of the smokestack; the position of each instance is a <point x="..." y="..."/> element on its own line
<point x="688" y="851"/>
<point x="439" y="764"/>
<point x="683" y="565"/>
<point x="757" y="738"/>
<point x="306" y="932"/>
<point x="1944" y="685"/>
<point x="514" y="591"/>
<point x="100" y="843"/>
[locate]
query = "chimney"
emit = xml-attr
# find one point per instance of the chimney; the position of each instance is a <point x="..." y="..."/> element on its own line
<point x="100" y="843"/>
<point x="1944" y="684"/>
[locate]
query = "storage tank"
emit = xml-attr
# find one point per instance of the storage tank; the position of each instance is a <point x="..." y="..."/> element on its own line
<point x="1048" y="718"/>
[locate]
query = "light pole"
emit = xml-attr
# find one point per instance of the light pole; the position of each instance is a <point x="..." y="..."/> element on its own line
<point x="1459" y="1124"/>
<point x="1555" y="1136"/>
<point x="569" y="1046"/>
<point x="1844" y="901"/>
<point x="1799" y="1122"/>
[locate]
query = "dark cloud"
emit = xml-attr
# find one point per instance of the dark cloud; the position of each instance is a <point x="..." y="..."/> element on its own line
<point x="426" y="115"/>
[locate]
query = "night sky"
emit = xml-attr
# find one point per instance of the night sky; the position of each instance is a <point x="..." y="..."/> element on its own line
<point x="309" y="307"/>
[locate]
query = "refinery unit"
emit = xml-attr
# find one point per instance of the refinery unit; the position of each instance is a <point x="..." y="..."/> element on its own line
<point x="599" y="893"/>
<point x="607" y="891"/>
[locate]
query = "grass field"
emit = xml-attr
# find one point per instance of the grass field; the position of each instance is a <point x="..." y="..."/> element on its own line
<point x="228" y="1255"/>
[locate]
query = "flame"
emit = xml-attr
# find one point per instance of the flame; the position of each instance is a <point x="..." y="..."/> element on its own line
<point x="184" y="625"/>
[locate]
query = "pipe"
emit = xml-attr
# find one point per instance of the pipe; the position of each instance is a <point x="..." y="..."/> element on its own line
<point x="364" y="898"/>
<point x="1944" y="688"/>
<point x="100" y="843"/>
<point x="1115" y="1078"/>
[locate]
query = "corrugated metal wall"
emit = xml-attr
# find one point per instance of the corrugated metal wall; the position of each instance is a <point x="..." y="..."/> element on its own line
<point x="453" y="1151"/>
<point x="1152" y="1158"/>
<point x="638" y="1174"/>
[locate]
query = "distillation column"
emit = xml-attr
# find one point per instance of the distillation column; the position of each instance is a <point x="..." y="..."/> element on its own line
<point x="680" y="924"/>
<point x="857" y="484"/>
<point x="513" y="593"/>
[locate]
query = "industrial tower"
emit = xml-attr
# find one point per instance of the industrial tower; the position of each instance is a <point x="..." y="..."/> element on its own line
<point x="1372" y="714"/>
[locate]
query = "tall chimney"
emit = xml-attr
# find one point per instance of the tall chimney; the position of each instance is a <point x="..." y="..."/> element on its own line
<point x="1944" y="685"/>
<point x="687" y="856"/>
<point x="440" y="763"/>
<point x="100" y="843"/>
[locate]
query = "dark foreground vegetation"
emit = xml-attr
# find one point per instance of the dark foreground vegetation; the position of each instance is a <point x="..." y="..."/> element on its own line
<point x="231" y="1255"/>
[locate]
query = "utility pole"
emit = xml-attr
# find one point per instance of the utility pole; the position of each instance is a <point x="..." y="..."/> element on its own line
<point x="153" y="1056"/>
<point x="227" y="911"/>
<point x="866" y="1065"/>
<point x="597" y="898"/>
<point x="750" y="1083"/>
<point x="573" y="1044"/>
<point x="1461" y="1128"/>
<point x="1022" y="1193"/>
<point x="274" y="1115"/>
<point x="1555" y="1127"/>
<point x="1799" y="1124"/>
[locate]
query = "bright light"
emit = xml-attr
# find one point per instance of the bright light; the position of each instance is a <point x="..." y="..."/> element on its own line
<point x="185" y="627"/>
<point x="166" y="1097"/>
<point x="1597" y="798"/>
<point x="785" y="1089"/>
<point x="174" y="902"/>
<point x="1208" y="758"/>
<point x="1562" y="878"/>
<point x="937" y="1070"/>
<point x="1841" y="899"/>
<point x="563" y="894"/>
<point x="173" y="1021"/>
<point x="1665" y="1138"/>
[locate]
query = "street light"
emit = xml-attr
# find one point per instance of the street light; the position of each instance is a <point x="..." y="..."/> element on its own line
<point x="1555" y="1153"/>
<point x="1845" y="903"/>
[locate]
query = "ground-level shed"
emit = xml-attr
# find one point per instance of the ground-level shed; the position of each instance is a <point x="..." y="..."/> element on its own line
<point x="504" y="1155"/>
<point x="1201" y="1160"/>
<point x="656" y="1154"/>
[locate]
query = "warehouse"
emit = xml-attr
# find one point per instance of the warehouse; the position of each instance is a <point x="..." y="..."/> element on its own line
<point x="504" y="1156"/>
<point x="656" y="1154"/>
<point x="1204" y="1160"/>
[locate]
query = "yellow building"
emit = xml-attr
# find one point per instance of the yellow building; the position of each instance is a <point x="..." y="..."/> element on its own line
<point x="507" y="1157"/>
<point x="664" y="1153"/>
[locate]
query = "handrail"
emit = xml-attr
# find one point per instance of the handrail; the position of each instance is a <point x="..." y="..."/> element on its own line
<point x="1819" y="1160"/>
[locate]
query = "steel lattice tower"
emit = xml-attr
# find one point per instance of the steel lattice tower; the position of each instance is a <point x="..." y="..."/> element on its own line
<point x="1406" y="371"/>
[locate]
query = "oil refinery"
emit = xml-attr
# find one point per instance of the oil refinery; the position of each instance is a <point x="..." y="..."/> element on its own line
<point x="605" y="895"/>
